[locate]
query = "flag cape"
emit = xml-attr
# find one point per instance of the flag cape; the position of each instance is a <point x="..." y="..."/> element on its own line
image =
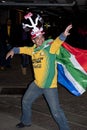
<point x="72" y="68"/>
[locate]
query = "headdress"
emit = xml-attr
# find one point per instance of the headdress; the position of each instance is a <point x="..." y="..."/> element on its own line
<point x="33" y="25"/>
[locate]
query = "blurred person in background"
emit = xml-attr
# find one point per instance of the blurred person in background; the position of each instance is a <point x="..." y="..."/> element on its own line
<point x="3" y="51"/>
<point x="7" y="32"/>
<point x="24" y="58"/>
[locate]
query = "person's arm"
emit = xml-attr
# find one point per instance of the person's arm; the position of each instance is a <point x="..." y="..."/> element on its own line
<point x="67" y="30"/>
<point x="66" y="33"/>
<point x="59" y="40"/>
<point x="13" y="51"/>
<point x="20" y="50"/>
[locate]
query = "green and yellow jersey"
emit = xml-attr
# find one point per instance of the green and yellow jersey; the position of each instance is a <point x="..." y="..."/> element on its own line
<point x="44" y="62"/>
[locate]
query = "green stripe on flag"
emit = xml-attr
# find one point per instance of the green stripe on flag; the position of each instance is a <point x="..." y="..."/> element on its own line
<point x="64" y="58"/>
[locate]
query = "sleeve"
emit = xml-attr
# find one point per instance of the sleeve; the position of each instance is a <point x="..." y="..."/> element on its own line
<point x="16" y="50"/>
<point x="55" y="46"/>
<point x="23" y="50"/>
<point x="26" y="50"/>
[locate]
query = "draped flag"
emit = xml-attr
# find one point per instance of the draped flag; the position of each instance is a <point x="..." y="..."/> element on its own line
<point x="72" y="68"/>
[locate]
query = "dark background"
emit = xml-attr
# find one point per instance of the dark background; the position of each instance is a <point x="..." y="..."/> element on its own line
<point x="57" y="14"/>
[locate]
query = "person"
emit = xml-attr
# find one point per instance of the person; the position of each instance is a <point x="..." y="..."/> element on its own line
<point x="3" y="50"/>
<point x="43" y="55"/>
<point x="24" y="57"/>
<point x="24" y="63"/>
<point x="7" y="32"/>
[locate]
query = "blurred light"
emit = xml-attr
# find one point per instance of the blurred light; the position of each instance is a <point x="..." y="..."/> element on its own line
<point x="47" y="25"/>
<point x="3" y="1"/>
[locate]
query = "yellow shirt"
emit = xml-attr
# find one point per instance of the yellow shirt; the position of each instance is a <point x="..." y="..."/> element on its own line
<point x="44" y="62"/>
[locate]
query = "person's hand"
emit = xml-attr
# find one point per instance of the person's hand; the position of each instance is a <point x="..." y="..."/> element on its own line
<point x="10" y="54"/>
<point x="66" y="32"/>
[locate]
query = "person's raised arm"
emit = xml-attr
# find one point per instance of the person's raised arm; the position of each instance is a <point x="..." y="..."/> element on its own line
<point x="66" y="33"/>
<point x="67" y="30"/>
<point x="59" y="40"/>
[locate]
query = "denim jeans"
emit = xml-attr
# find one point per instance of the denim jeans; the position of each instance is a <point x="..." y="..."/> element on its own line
<point x="51" y="95"/>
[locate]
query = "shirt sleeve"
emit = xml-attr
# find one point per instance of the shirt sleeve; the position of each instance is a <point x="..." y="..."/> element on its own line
<point x="55" y="46"/>
<point x="16" y="50"/>
<point x="26" y="50"/>
<point x="23" y="50"/>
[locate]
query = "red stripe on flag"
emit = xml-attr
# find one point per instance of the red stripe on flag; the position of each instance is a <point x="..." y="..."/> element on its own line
<point x="80" y="54"/>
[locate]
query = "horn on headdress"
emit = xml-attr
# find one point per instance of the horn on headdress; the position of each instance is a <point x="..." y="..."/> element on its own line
<point x="35" y="31"/>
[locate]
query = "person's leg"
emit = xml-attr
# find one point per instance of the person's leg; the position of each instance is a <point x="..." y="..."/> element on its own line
<point x="23" y="64"/>
<point x="51" y="96"/>
<point x="27" y="60"/>
<point x="30" y="96"/>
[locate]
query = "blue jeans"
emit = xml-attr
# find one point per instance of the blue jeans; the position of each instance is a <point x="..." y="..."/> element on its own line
<point x="51" y="95"/>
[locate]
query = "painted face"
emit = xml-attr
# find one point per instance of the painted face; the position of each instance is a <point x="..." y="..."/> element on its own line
<point x="39" y="40"/>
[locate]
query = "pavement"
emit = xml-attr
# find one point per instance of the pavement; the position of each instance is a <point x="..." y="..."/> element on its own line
<point x="8" y="123"/>
<point x="13" y="84"/>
